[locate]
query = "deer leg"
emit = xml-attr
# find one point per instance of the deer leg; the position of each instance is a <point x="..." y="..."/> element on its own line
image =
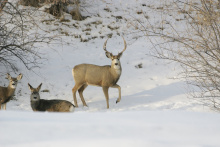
<point x="75" y="88"/>
<point x="105" y="90"/>
<point x="4" y="106"/>
<point x="0" y="106"/>
<point x="81" y="94"/>
<point x="119" y="91"/>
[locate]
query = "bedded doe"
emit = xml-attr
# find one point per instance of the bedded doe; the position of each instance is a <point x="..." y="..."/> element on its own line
<point x="38" y="104"/>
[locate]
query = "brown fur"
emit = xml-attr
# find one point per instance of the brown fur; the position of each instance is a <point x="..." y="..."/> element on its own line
<point x="7" y="93"/>
<point x="38" y="104"/>
<point x="103" y="76"/>
<point x="51" y="105"/>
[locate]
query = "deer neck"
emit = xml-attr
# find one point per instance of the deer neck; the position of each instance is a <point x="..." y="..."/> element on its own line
<point x="34" y="104"/>
<point x="10" y="91"/>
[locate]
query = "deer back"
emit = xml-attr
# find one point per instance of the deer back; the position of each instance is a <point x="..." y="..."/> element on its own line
<point x="95" y="75"/>
<point x="52" y="105"/>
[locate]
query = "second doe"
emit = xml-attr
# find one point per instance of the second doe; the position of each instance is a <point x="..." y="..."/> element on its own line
<point x="38" y="104"/>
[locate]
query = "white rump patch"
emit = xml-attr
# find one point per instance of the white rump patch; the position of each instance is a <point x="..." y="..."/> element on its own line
<point x="71" y="108"/>
<point x="73" y="72"/>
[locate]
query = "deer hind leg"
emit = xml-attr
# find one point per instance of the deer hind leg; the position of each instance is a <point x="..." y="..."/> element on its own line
<point x="4" y="106"/>
<point x="105" y="90"/>
<point x="75" y="88"/>
<point x="81" y="94"/>
<point x="119" y="91"/>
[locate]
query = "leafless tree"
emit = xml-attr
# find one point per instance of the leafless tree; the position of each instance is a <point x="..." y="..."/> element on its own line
<point x="195" y="45"/>
<point x="17" y="43"/>
<point x="2" y="4"/>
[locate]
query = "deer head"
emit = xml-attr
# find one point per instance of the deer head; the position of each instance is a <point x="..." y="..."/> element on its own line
<point x="115" y="58"/>
<point x="35" y="96"/>
<point x="13" y="81"/>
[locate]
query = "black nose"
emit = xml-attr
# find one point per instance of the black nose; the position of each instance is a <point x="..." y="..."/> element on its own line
<point x="35" y="97"/>
<point x="116" y="63"/>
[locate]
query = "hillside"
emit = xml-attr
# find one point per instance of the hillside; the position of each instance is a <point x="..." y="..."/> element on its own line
<point x="155" y="109"/>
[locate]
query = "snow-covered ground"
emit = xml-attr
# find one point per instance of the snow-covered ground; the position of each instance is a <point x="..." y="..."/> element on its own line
<point x="130" y="128"/>
<point x="154" y="110"/>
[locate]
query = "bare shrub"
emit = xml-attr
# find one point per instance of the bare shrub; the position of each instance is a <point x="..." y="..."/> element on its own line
<point x="75" y="12"/>
<point x="195" y="45"/>
<point x="33" y="3"/>
<point x="57" y="7"/>
<point x="2" y="4"/>
<point x="17" y="44"/>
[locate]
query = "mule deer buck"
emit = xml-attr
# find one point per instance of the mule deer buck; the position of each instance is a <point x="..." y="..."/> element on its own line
<point x="6" y="93"/>
<point x="38" y="104"/>
<point x="103" y="76"/>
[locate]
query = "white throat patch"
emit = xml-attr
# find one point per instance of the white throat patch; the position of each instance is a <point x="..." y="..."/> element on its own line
<point x="118" y="71"/>
<point x="13" y="86"/>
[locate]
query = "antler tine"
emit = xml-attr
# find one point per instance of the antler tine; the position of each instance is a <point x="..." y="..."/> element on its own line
<point x="125" y="45"/>
<point x="104" y="46"/>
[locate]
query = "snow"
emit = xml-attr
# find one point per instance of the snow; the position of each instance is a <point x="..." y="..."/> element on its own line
<point x="130" y="128"/>
<point x="154" y="110"/>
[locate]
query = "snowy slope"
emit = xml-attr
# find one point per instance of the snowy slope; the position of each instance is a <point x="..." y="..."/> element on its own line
<point x="154" y="110"/>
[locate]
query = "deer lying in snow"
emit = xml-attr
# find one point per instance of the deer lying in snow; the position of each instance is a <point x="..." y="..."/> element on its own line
<point x="103" y="76"/>
<point x="6" y="93"/>
<point x="38" y="104"/>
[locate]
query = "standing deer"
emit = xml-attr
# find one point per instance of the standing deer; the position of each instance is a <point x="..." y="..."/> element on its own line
<point x="6" y="93"/>
<point x="38" y="104"/>
<point x="103" y="76"/>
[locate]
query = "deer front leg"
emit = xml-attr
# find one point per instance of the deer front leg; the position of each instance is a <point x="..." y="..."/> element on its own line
<point x="105" y="90"/>
<point x="119" y="91"/>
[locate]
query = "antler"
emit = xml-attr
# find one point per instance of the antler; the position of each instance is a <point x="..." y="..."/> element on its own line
<point x="104" y="46"/>
<point x="125" y="45"/>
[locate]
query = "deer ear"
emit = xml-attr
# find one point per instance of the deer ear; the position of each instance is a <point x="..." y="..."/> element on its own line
<point x="119" y="55"/>
<point x="108" y="55"/>
<point x="38" y="88"/>
<point x="30" y="87"/>
<point x="19" y="76"/>
<point x="8" y="76"/>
